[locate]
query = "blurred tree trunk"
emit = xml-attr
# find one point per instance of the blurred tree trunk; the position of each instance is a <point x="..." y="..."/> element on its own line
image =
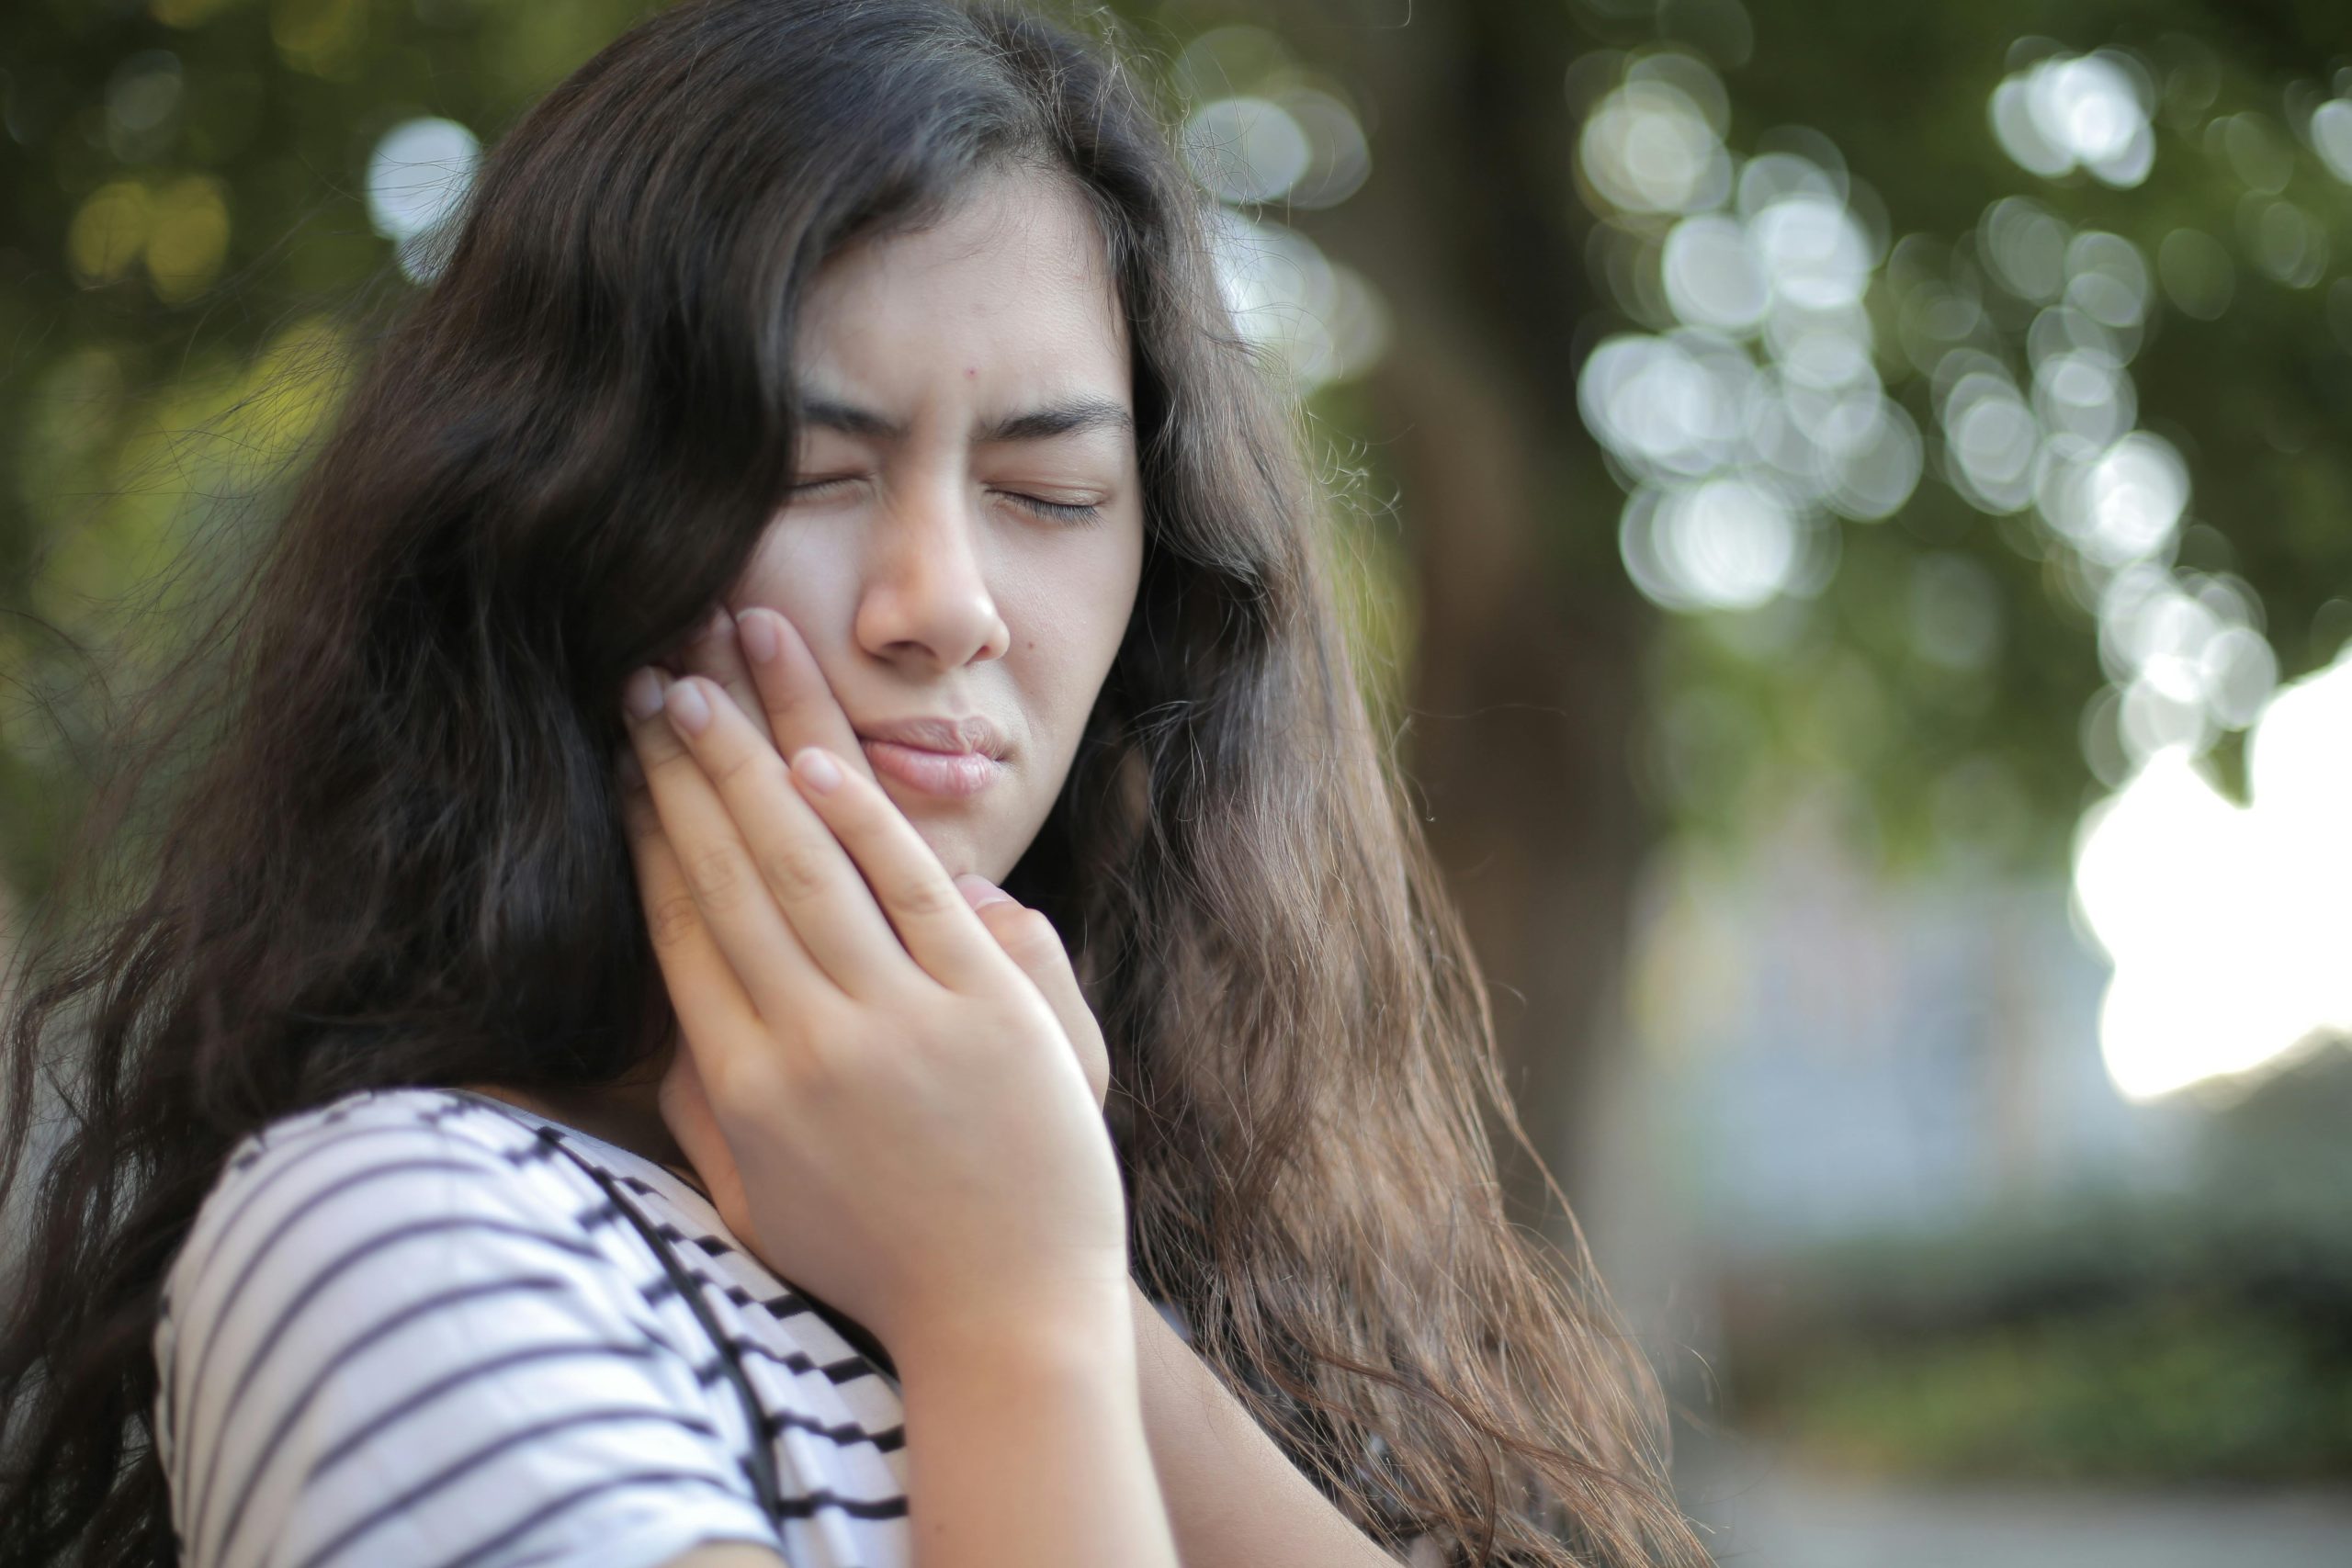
<point x="1528" y="676"/>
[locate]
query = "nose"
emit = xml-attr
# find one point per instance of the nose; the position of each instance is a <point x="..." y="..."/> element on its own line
<point x="924" y="600"/>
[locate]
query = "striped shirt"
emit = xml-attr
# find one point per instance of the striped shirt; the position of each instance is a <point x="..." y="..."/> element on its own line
<point x="405" y="1331"/>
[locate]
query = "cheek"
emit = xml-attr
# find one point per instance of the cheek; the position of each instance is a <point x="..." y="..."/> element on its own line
<point x="1066" y="625"/>
<point x="804" y="572"/>
<point x="1065" y="661"/>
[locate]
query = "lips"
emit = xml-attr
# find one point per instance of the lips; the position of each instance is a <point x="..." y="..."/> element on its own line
<point x="954" y="774"/>
<point x="938" y="733"/>
<point x="951" y="758"/>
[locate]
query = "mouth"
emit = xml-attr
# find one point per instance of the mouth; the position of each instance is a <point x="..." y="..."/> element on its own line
<point x="955" y="775"/>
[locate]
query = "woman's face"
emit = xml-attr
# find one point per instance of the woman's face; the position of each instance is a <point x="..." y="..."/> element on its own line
<point x="953" y="380"/>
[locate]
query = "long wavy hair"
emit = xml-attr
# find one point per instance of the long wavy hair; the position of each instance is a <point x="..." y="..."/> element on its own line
<point x="393" y="857"/>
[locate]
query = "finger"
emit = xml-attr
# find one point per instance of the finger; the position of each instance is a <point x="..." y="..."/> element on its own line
<point x="799" y="701"/>
<point x="722" y="881"/>
<point x="805" y="869"/>
<point x="1029" y="938"/>
<point x="716" y="651"/>
<point x="711" y="1005"/>
<point x="938" y="927"/>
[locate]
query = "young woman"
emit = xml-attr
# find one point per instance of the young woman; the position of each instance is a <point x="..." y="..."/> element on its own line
<point x="794" y="943"/>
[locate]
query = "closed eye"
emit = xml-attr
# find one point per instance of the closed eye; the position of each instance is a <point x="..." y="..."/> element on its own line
<point x="1059" y="510"/>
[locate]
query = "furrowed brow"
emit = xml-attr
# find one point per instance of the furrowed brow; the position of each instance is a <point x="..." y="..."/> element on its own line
<point x="1072" y="416"/>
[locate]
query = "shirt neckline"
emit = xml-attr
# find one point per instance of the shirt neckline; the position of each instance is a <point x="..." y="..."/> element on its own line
<point x="616" y="1159"/>
<point x="852" y="1333"/>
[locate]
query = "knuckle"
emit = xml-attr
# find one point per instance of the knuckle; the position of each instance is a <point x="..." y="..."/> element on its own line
<point x="715" y="876"/>
<point x="794" y="872"/>
<point x="660" y="752"/>
<point x="673" y="920"/>
<point x="924" y="898"/>
<point x="820" y="1067"/>
<point x="669" y="768"/>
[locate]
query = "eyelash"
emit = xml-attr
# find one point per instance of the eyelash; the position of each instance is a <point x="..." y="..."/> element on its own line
<point x="1053" y="509"/>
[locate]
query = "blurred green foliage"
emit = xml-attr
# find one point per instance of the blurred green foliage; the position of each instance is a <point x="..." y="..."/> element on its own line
<point x="183" y="228"/>
<point x="2198" y="1333"/>
<point x="2157" y="1392"/>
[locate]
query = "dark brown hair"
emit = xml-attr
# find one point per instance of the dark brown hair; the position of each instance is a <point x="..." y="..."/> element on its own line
<point x="393" y="857"/>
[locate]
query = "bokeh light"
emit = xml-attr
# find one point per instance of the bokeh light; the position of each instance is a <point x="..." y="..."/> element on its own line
<point x="418" y="176"/>
<point x="1263" y="130"/>
<point x="2331" y="136"/>
<point x="1756" y="411"/>
<point x="1649" y="147"/>
<point x="1323" y="318"/>
<point x="2228" y="926"/>
<point x="143" y="102"/>
<point x="2087" y="111"/>
<point x="2283" y="240"/>
<point x="1990" y="438"/>
<point x="2122" y="504"/>
<point x="1339" y="156"/>
<point x="1247" y="150"/>
<point x="177" y="229"/>
<point x="1713" y="277"/>
<point x="1725" y="544"/>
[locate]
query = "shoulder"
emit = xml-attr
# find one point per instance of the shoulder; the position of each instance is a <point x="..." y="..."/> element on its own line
<point x="443" y="1122"/>
<point x="416" y="1163"/>
<point x="399" y="1323"/>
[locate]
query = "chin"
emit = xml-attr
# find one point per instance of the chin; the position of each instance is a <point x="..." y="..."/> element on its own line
<point x="951" y="844"/>
<point x="960" y="838"/>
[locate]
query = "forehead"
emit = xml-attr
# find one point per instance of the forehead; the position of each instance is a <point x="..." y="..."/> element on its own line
<point x="1009" y="295"/>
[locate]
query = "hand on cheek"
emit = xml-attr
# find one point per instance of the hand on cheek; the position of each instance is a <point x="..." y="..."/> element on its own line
<point x="879" y="1088"/>
<point x="764" y="664"/>
<point x="765" y="667"/>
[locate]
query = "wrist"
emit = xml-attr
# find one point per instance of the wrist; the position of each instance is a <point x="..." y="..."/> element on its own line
<point x="1091" y="1330"/>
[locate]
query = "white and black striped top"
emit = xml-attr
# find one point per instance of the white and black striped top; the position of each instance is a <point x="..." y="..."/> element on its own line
<point x="405" y="1332"/>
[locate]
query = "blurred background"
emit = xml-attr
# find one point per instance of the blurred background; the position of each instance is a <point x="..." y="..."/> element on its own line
<point x="1847" y="506"/>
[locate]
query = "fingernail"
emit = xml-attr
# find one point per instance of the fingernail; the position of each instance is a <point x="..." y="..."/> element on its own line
<point x="980" y="891"/>
<point x="758" y="635"/>
<point x="689" y="708"/>
<point x="814" y="764"/>
<point x="641" y="694"/>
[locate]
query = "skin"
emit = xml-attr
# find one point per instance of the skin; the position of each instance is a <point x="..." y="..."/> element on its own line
<point x="916" y="568"/>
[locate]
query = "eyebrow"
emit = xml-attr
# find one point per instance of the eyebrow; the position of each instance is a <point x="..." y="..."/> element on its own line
<point x="1072" y="416"/>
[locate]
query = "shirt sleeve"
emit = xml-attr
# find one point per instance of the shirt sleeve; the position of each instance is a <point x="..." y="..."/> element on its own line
<point x="392" y="1349"/>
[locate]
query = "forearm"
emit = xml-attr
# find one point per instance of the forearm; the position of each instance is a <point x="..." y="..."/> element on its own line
<point x="1026" y="1446"/>
<point x="1234" y="1499"/>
